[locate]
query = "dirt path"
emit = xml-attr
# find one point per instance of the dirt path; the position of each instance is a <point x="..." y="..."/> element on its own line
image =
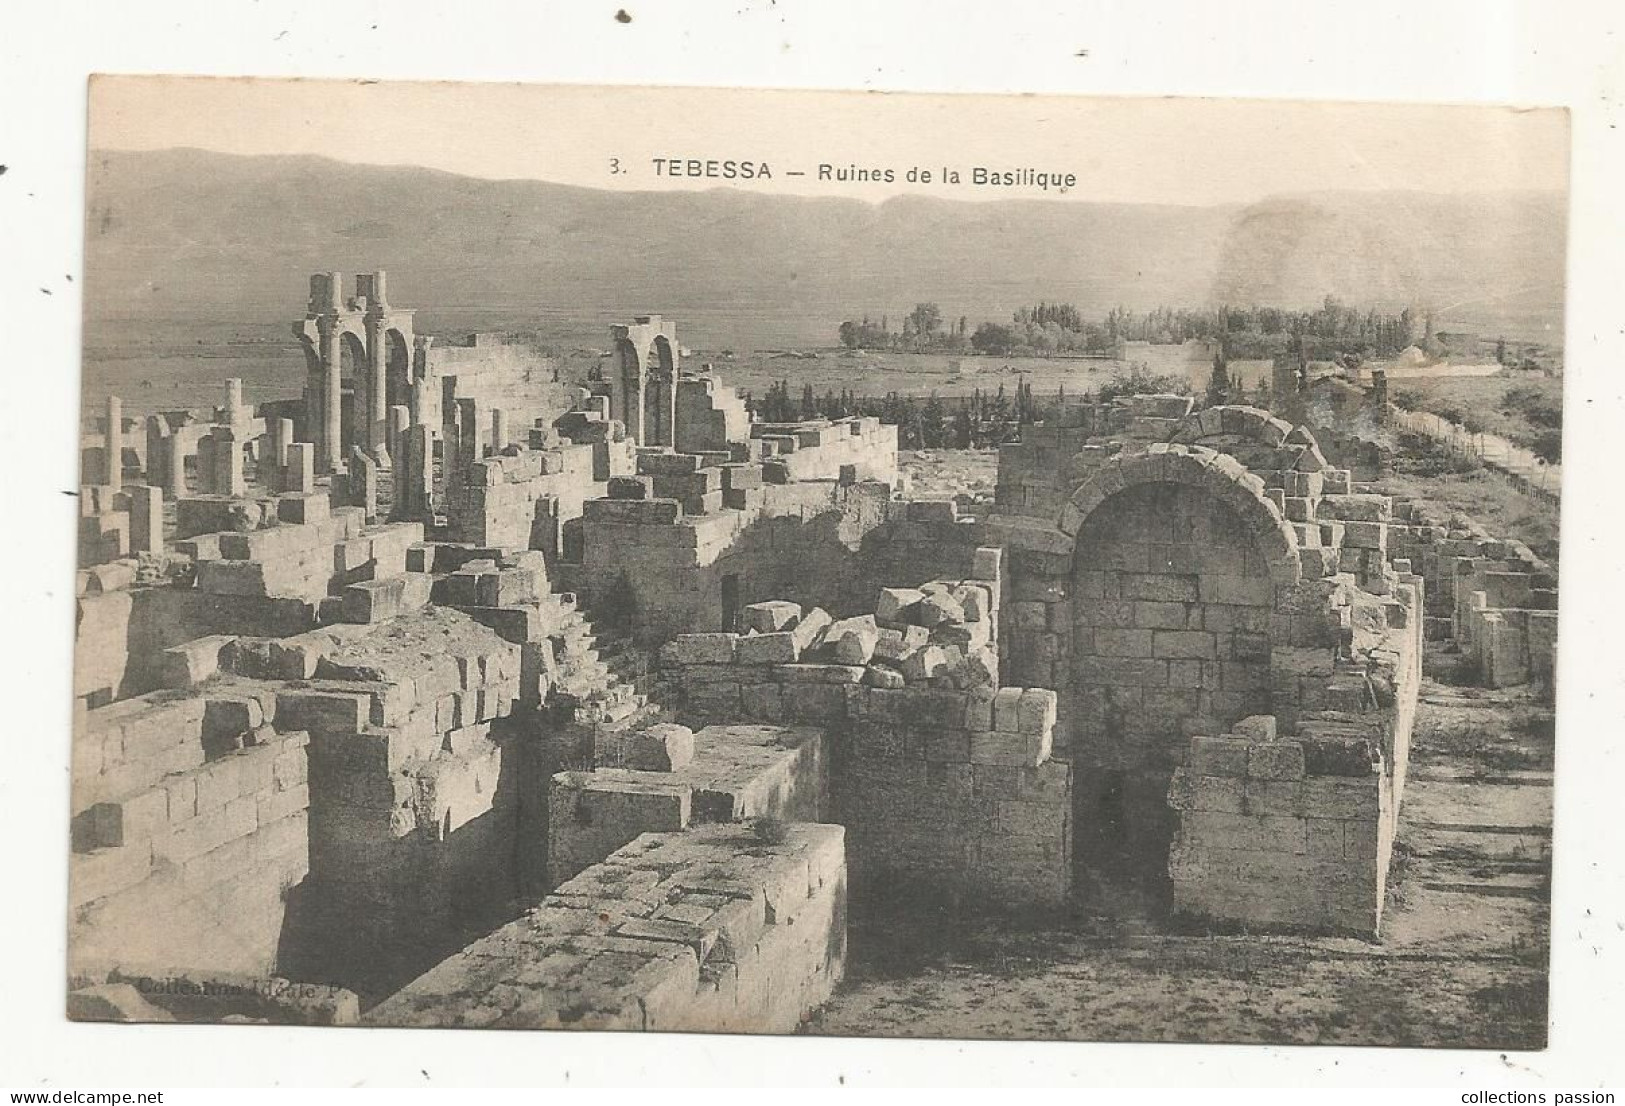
<point x="1462" y="962"/>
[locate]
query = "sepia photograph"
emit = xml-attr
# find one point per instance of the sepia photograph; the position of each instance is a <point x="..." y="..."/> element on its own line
<point x="962" y="566"/>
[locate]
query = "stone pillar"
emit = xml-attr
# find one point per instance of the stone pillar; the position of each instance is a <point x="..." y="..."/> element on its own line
<point x="228" y="460"/>
<point x="414" y="474"/>
<point x="499" y="430"/>
<point x="469" y="431"/>
<point x="400" y="417"/>
<point x="280" y="432"/>
<point x="175" y="466"/>
<point x="113" y="474"/>
<point x="157" y="451"/>
<point x="236" y="416"/>
<point x="300" y="475"/>
<point x="1379" y="393"/>
<point x="452" y="457"/>
<point x="329" y="443"/>
<point x="146" y="519"/>
<point x="363" y="474"/>
<point x="377" y="385"/>
<point x="206" y="465"/>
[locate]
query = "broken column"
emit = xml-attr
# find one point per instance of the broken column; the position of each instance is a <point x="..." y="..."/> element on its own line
<point x="363" y="476"/>
<point x="146" y="519"/>
<point x="157" y="450"/>
<point x="414" y="475"/>
<point x="236" y="415"/>
<point x="300" y="475"/>
<point x="113" y="474"/>
<point x="228" y="464"/>
<point x="499" y="430"/>
<point x="400" y="417"/>
<point x="174" y="466"/>
<point x="206" y="474"/>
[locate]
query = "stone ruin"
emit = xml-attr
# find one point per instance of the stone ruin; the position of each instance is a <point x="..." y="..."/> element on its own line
<point x="598" y="712"/>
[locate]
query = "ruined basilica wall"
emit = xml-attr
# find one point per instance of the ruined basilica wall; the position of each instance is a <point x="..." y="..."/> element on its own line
<point x="514" y="378"/>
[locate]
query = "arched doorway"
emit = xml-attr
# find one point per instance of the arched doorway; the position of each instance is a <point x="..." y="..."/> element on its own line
<point x="353" y="412"/>
<point x="626" y="389"/>
<point x="1177" y="558"/>
<point x="397" y="369"/>
<point x="660" y="393"/>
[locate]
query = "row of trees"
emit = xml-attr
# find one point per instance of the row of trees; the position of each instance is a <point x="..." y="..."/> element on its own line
<point x="978" y="421"/>
<point x="1249" y="332"/>
<point x="923" y="331"/>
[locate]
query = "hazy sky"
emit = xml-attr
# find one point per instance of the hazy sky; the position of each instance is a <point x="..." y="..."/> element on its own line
<point x="1184" y="151"/>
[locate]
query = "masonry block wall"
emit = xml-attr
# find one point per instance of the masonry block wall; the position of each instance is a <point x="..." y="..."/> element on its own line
<point x="494" y="374"/>
<point x="710" y="415"/>
<point x="189" y="828"/>
<point x="709" y="930"/>
<point x="667" y="778"/>
<point x="1494" y="598"/>
<point x="943" y="778"/>
<point x="1281" y="832"/>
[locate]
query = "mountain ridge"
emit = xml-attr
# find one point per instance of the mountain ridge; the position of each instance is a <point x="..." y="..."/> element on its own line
<point x="181" y="232"/>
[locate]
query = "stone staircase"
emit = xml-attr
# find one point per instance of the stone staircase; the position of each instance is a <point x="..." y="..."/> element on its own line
<point x="603" y="680"/>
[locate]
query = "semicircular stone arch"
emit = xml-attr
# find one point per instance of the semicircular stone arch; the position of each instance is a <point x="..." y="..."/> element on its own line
<point x="1255" y="437"/>
<point x="1178" y="561"/>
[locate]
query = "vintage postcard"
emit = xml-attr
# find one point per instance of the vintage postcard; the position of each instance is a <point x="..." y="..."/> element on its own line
<point x="833" y="563"/>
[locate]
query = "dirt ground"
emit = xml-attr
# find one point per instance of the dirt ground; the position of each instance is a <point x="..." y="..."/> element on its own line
<point x="1462" y="960"/>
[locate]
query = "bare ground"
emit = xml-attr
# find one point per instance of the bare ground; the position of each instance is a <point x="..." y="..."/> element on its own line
<point x="1462" y="961"/>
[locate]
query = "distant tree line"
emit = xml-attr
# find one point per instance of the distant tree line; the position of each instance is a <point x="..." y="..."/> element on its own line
<point x="978" y="421"/>
<point x="1043" y="329"/>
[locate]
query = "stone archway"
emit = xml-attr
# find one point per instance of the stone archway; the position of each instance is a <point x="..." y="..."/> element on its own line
<point x="660" y="393"/>
<point x="1177" y="561"/>
<point x="354" y="406"/>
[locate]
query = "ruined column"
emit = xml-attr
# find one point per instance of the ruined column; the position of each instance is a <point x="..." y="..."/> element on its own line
<point x="280" y="432"/>
<point x="329" y="443"/>
<point x="206" y="465"/>
<point x="299" y="478"/>
<point x="113" y="474"/>
<point x="400" y="417"/>
<point x="236" y="416"/>
<point x="363" y="479"/>
<point x="146" y="519"/>
<point x="228" y="460"/>
<point x="452" y="454"/>
<point x="414" y="474"/>
<point x="499" y="430"/>
<point x="377" y="384"/>
<point x="174" y="466"/>
<point x="157" y="451"/>
<point x="469" y="431"/>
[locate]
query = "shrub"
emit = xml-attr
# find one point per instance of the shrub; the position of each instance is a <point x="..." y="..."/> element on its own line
<point x="770" y="830"/>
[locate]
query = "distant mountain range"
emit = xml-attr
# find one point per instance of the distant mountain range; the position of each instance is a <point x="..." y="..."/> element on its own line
<point x="186" y="233"/>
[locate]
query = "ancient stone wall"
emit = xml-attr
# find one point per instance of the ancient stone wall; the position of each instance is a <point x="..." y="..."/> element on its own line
<point x="942" y="778"/>
<point x="192" y="811"/>
<point x="1282" y="832"/>
<point x="714" y="930"/>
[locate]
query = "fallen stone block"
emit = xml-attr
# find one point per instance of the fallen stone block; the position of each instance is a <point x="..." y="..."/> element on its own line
<point x="772" y="616"/>
<point x="809" y="629"/>
<point x="771" y="648"/>
<point x="939" y="608"/>
<point x="192" y="662"/>
<point x="665" y="747"/>
<point x="896" y="606"/>
<point x="711" y="648"/>
<point x="852" y="640"/>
